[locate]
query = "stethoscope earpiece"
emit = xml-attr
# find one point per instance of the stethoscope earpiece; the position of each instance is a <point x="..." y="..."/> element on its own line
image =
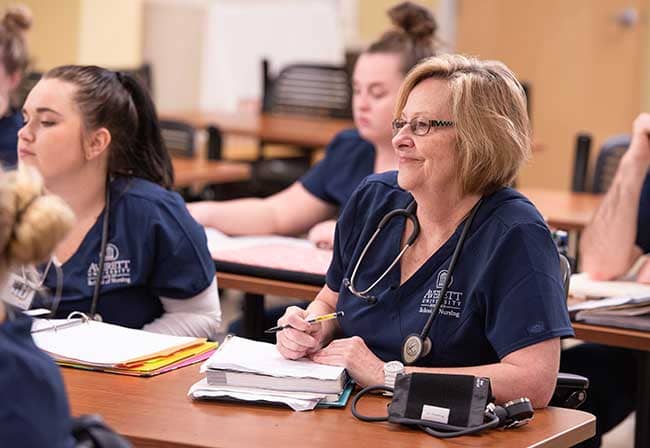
<point x="369" y="299"/>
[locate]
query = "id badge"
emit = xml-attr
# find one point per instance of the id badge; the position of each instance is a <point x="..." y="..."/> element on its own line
<point x="18" y="292"/>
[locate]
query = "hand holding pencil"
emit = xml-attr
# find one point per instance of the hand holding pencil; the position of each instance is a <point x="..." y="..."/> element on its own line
<point x="310" y="321"/>
<point x="299" y="334"/>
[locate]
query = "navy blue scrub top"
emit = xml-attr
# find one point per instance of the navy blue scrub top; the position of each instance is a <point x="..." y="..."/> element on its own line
<point x="348" y="160"/>
<point x="9" y="127"/>
<point x="506" y="292"/>
<point x="155" y="248"/>
<point x="643" y="224"/>
<point x="33" y="409"/>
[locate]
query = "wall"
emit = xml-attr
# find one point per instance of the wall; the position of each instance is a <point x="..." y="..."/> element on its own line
<point x="84" y="32"/>
<point x="110" y="33"/>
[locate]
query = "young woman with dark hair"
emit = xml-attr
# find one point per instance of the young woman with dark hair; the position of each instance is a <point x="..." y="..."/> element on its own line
<point x="94" y="136"/>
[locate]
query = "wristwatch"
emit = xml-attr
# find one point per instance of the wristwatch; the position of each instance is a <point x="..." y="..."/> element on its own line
<point x="391" y="370"/>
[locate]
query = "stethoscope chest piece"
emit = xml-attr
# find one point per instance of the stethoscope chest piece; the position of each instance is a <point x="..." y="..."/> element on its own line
<point x="414" y="348"/>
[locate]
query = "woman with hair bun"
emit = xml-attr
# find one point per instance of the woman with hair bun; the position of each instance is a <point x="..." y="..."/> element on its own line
<point x="34" y="410"/>
<point x="311" y="204"/>
<point x="14" y="59"/>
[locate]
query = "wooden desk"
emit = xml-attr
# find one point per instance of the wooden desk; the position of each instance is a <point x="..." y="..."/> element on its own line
<point x="564" y="209"/>
<point x="617" y="337"/>
<point x="156" y="412"/>
<point x="190" y="171"/>
<point x="263" y="286"/>
<point x="635" y="340"/>
<point x="309" y="132"/>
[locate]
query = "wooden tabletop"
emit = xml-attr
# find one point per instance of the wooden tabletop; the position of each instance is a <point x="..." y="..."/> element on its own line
<point x="190" y="171"/>
<point x="156" y="412"/>
<point x="564" y="209"/>
<point x="617" y="337"/>
<point x="287" y="129"/>
<point x="258" y="285"/>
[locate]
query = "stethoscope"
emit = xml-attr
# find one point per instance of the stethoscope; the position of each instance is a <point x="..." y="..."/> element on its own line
<point x="92" y="314"/>
<point x="102" y="254"/>
<point x="416" y="345"/>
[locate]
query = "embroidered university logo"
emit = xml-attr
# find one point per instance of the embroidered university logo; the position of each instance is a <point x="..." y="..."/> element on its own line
<point x="115" y="270"/>
<point x="442" y="276"/>
<point x="452" y="304"/>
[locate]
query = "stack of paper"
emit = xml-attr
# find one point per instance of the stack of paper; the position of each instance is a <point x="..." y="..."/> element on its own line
<point x="622" y="304"/>
<point x="111" y="348"/>
<point x="247" y="370"/>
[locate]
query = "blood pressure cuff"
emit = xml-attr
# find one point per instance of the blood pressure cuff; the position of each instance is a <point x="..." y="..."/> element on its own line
<point x="458" y="400"/>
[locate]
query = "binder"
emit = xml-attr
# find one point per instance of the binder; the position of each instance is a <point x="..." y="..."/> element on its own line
<point x="93" y="345"/>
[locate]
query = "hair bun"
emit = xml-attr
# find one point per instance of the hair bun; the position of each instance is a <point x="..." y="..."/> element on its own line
<point x="414" y="20"/>
<point x="17" y="19"/>
<point x="37" y="222"/>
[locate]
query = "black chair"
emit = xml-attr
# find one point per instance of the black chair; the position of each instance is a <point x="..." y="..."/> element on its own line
<point x="178" y="137"/>
<point x="608" y="160"/>
<point x="581" y="163"/>
<point x="299" y="89"/>
<point x="570" y="390"/>
<point x="609" y="157"/>
<point x="307" y="89"/>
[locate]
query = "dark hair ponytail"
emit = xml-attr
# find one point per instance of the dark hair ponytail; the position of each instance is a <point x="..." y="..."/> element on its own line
<point x="151" y="159"/>
<point x="119" y="103"/>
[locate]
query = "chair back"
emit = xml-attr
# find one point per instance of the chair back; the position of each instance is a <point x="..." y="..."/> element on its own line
<point x="307" y="89"/>
<point x="178" y="137"/>
<point x="581" y="163"/>
<point x="215" y="143"/>
<point x="565" y="270"/>
<point x="570" y="390"/>
<point x="607" y="163"/>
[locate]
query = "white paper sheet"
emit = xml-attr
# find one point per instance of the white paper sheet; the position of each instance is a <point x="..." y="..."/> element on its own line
<point x="583" y="286"/>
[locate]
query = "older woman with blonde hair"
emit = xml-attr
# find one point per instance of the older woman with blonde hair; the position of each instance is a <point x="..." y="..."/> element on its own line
<point x="446" y="224"/>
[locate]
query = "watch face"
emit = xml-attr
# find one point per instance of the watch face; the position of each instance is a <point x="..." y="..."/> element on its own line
<point x="393" y="367"/>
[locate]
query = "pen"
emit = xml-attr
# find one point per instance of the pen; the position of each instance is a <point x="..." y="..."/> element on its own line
<point x="313" y="320"/>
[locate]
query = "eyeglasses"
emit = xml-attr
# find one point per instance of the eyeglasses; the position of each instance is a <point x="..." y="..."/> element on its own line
<point x="420" y="126"/>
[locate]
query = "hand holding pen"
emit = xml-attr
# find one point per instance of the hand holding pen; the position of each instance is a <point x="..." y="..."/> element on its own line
<point x="310" y="321"/>
<point x="298" y="337"/>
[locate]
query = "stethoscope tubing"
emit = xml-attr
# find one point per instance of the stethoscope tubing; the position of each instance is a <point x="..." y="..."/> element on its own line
<point x="102" y="251"/>
<point x="452" y="265"/>
<point x="409" y="213"/>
